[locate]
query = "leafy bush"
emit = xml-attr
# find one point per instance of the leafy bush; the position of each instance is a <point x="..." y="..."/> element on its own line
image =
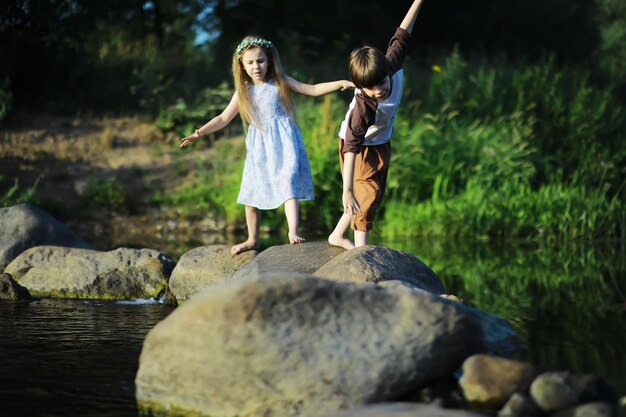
<point x="106" y="193"/>
<point x="576" y="125"/>
<point x="184" y="118"/>
<point x="214" y="188"/>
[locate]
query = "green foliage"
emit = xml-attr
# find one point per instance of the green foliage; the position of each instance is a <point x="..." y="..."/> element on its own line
<point x="214" y="188"/>
<point x="14" y="195"/>
<point x="184" y="118"/>
<point x="121" y="55"/>
<point x="575" y="125"/>
<point x="106" y="193"/>
<point x="5" y="99"/>
<point x="114" y="55"/>
<point x="145" y="55"/>
<point x="434" y="156"/>
<point x="555" y="212"/>
<point x="319" y="123"/>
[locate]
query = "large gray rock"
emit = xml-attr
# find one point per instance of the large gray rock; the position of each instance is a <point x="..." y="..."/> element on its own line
<point x="499" y="337"/>
<point x="204" y="266"/>
<point x="294" y="345"/>
<point x="303" y="258"/>
<point x="24" y="226"/>
<point x="375" y="264"/>
<point x="10" y="290"/>
<point x="121" y="274"/>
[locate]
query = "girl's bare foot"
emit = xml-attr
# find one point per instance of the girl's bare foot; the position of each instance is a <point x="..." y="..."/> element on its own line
<point x="294" y="239"/>
<point x="243" y="247"/>
<point x="340" y="241"/>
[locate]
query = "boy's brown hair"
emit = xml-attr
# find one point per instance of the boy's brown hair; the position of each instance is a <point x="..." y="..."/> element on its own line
<point x="368" y="67"/>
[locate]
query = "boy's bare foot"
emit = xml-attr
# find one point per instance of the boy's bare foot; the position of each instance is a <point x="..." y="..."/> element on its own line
<point x="340" y="241"/>
<point x="243" y="247"/>
<point x="294" y="239"/>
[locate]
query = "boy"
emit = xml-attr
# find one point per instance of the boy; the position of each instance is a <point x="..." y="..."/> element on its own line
<point x="364" y="148"/>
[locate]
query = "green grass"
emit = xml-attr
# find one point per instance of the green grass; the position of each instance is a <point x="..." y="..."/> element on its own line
<point x="14" y="195"/>
<point x="104" y="192"/>
<point x="213" y="187"/>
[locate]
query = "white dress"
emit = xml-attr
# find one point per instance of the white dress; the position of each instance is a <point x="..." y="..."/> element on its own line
<point x="277" y="167"/>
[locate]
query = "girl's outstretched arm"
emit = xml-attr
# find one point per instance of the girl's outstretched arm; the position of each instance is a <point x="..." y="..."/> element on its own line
<point x="318" y="89"/>
<point x="218" y="122"/>
<point x="411" y="15"/>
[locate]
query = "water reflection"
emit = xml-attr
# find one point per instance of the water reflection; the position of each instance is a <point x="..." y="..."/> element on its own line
<point x="72" y="358"/>
<point x="568" y="303"/>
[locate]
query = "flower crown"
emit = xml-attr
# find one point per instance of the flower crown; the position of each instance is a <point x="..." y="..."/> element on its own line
<point x="248" y="42"/>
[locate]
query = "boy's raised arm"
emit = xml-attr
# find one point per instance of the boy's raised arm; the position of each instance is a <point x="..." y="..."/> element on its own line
<point x="411" y="15"/>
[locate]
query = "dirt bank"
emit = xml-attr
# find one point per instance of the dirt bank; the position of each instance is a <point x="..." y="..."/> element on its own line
<point x="128" y="158"/>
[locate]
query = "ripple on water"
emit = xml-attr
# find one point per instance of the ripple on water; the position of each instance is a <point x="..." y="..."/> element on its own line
<point x="71" y="357"/>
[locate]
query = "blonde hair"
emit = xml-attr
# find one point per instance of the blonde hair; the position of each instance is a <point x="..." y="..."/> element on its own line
<point x="243" y="81"/>
<point x="368" y="67"/>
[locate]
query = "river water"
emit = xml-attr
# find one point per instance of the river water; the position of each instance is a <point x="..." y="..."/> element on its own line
<point x="79" y="358"/>
<point x="66" y="358"/>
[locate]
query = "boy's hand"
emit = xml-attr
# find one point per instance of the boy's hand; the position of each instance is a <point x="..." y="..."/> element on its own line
<point x="350" y="205"/>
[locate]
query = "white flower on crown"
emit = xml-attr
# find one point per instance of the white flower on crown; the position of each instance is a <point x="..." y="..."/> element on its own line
<point x="248" y="42"/>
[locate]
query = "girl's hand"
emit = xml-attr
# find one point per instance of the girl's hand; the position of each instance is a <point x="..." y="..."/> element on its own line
<point x="192" y="138"/>
<point x="350" y="205"/>
<point x="345" y="85"/>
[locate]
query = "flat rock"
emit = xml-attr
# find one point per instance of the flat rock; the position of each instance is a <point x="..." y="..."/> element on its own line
<point x="205" y="266"/>
<point x="301" y="258"/>
<point x="120" y="274"/>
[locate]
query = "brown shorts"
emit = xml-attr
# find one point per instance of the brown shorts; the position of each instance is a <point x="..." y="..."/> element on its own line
<point x="370" y="178"/>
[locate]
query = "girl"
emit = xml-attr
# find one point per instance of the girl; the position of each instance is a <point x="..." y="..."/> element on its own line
<point x="276" y="169"/>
